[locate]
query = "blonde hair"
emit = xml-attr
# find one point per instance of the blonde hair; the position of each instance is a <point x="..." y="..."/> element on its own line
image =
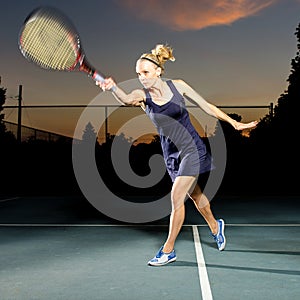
<point x="159" y="55"/>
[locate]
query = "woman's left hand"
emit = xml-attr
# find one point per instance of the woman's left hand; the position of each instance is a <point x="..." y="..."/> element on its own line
<point x="242" y="126"/>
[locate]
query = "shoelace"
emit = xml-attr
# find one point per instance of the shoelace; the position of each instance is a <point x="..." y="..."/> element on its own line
<point x="217" y="238"/>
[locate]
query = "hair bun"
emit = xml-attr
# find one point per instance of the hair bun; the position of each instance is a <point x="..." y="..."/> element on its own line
<point x="163" y="53"/>
<point x="159" y="55"/>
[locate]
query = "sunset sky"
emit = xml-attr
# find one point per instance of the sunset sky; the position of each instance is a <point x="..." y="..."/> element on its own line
<point x="232" y="52"/>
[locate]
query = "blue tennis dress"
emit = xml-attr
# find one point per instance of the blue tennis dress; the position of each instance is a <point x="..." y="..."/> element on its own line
<point x="184" y="151"/>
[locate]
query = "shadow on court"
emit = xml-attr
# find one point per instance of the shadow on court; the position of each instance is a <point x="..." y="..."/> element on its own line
<point x="63" y="248"/>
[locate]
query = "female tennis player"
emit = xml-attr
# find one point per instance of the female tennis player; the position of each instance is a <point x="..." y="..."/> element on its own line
<point x="187" y="159"/>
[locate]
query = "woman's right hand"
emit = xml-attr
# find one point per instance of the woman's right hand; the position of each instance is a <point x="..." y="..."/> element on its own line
<point x="107" y="85"/>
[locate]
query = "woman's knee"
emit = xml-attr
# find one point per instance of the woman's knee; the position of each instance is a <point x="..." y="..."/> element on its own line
<point x="177" y="199"/>
<point x="199" y="199"/>
<point x="181" y="187"/>
<point x="196" y="194"/>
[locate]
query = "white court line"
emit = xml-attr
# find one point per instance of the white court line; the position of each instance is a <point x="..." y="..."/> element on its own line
<point x="203" y="277"/>
<point x="134" y="225"/>
<point x="9" y="199"/>
<point x="263" y="225"/>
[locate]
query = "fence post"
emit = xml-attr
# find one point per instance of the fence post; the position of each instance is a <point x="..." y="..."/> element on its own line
<point x="106" y="124"/>
<point x="271" y="110"/>
<point x="19" y="137"/>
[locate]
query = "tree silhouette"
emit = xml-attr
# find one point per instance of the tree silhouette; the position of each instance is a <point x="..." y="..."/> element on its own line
<point x="287" y="110"/>
<point x="276" y="135"/>
<point x="284" y="122"/>
<point x="89" y="133"/>
<point x="6" y="137"/>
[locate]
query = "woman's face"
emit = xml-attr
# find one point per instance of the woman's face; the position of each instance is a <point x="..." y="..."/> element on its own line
<point x="147" y="72"/>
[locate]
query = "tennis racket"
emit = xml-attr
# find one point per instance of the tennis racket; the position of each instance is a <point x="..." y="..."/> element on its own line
<point x="50" y="40"/>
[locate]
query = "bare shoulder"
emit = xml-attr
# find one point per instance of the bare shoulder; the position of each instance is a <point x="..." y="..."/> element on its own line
<point x="178" y="81"/>
<point x="181" y="85"/>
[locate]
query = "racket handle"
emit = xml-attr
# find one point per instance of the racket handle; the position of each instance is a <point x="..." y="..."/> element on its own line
<point x="85" y="67"/>
<point x="98" y="77"/>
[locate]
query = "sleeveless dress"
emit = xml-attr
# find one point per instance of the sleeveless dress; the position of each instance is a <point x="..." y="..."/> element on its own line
<point x="184" y="151"/>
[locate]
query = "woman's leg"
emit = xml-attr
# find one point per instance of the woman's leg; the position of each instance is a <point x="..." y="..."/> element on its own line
<point x="182" y="186"/>
<point x="216" y="226"/>
<point x="203" y="206"/>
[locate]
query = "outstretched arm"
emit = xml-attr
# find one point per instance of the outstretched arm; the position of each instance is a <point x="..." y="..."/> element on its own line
<point x="135" y="98"/>
<point x="209" y="108"/>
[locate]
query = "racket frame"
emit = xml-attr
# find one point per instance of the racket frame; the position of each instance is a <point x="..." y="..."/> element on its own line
<point x="80" y="64"/>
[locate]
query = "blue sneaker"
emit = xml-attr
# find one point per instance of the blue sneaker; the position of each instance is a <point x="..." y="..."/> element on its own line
<point x="220" y="237"/>
<point x="162" y="258"/>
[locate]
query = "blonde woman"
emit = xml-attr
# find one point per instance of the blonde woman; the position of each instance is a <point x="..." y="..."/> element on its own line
<point x="186" y="157"/>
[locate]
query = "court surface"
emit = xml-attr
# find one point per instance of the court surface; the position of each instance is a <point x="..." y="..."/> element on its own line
<point x="63" y="248"/>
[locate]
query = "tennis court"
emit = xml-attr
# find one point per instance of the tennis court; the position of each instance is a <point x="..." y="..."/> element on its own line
<point x="63" y="248"/>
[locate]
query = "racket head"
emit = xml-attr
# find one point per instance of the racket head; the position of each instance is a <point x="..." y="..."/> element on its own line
<point x="49" y="39"/>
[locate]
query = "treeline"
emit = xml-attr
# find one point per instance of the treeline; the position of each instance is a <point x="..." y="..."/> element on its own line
<point x="253" y="165"/>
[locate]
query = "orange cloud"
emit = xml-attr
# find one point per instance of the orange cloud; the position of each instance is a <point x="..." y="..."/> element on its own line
<point x="183" y="15"/>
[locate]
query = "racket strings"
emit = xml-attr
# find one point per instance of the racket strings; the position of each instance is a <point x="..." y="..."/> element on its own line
<point x="49" y="43"/>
